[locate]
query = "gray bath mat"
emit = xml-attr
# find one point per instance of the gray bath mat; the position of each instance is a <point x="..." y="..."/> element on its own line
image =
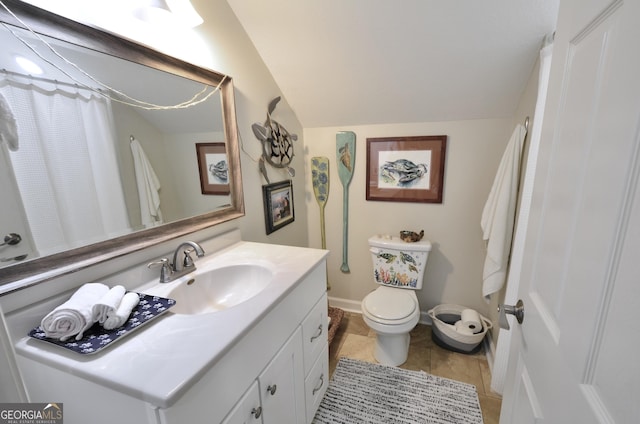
<point x="366" y="393"/>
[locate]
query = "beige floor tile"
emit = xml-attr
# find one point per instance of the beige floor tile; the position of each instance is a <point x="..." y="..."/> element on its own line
<point x="486" y="379"/>
<point x="421" y="336"/>
<point x="490" y="409"/>
<point x="419" y="359"/>
<point x="358" y="347"/>
<point x="354" y="324"/>
<point x="356" y="340"/>
<point x="456" y="366"/>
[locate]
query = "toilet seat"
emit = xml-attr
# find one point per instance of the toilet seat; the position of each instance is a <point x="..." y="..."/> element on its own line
<point x="390" y="306"/>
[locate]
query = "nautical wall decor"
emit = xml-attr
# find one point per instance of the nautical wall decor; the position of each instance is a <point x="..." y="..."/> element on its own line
<point x="320" y="181"/>
<point x="277" y="143"/>
<point x="346" y="155"/>
<point x="406" y="169"/>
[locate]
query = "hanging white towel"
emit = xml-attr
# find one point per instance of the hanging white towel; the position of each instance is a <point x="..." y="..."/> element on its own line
<point x="8" y="126"/>
<point x="148" y="187"/>
<point x="499" y="214"/>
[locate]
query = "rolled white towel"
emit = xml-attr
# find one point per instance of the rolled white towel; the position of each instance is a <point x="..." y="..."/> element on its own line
<point x="74" y="316"/>
<point x="117" y="319"/>
<point x="108" y="304"/>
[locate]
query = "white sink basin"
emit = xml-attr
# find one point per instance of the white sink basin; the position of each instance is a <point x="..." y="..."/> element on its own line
<point x="219" y="288"/>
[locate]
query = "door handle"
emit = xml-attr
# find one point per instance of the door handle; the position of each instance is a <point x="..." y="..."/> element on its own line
<point x="517" y="311"/>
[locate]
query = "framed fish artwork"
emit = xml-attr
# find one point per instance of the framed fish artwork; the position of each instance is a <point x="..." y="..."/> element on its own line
<point x="406" y="169"/>
<point x="213" y="167"/>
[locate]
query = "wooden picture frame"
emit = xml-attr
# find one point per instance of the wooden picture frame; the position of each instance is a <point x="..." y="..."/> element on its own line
<point x="406" y="169"/>
<point x="213" y="168"/>
<point x="278" y="205"/>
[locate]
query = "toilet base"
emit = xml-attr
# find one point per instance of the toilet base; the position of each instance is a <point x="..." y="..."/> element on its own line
<point x="392" y="349"/>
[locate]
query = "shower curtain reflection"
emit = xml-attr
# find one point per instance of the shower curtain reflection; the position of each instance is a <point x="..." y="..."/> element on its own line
<point x="69" y="181"/>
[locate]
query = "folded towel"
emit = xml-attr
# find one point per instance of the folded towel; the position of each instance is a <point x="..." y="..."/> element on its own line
<point x="74" y="316"/>
<point x="117" y="319"/>
<point x="108" y="304"/>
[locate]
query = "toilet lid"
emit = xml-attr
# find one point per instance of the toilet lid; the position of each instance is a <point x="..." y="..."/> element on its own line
<point x="393" y="304"/>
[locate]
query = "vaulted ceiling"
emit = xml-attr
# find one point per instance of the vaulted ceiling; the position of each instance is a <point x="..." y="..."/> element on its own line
<point x="353" y="62"/>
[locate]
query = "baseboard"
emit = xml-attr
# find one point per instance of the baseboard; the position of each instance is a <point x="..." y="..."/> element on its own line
<point x="490" y="350"/>
<point x="353" y="306"/>
<point x="346" y="305"/>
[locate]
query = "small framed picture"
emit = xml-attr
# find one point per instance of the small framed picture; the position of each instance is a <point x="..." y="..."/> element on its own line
<point x="406" y="169"/>
<point x="278" y="205"/>
<point x="213" y="167"/>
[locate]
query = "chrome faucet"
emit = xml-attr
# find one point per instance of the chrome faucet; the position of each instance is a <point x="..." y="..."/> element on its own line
<point x="170" y="270"/>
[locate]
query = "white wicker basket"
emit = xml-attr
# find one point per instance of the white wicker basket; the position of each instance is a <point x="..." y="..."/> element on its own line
<point x="443" y="332"/>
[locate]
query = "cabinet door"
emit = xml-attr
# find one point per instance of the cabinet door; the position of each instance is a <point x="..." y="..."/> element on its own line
<point x="248" y="409"/>
<point x="282" y="385"/>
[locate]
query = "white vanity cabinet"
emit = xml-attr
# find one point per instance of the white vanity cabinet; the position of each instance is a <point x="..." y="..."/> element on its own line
<point x="275" y="397"/>
<point x="278" y="351"/>
<point x="316" y="356"/>
<point x="248" y="409"/>
<point x="264" y="361"/>
<point x="290" y="388"/>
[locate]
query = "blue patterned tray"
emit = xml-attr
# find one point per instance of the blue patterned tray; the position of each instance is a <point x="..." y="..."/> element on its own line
<point x="97" y="338"/>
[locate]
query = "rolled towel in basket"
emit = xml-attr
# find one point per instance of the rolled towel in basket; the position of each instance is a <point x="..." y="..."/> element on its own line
<point x="120" y="316"/>
<point x="108" y="304"/>
<point x="75" y="316"/>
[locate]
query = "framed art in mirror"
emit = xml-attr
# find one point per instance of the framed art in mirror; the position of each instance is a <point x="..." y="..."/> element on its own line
<point x="213" y="168"/>
<point x="406" y="169"/>
<point x="278" y="205"/>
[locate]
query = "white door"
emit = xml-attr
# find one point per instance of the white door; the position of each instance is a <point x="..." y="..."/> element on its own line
<point x="574" y="358"/>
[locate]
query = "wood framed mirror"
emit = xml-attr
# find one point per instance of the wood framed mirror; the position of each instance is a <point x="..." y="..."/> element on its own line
<point x="168" y="139"/>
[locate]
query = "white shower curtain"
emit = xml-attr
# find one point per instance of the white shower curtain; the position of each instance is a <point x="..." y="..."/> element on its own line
<point x="66" y="164"/>
<point x="504" y="340"/>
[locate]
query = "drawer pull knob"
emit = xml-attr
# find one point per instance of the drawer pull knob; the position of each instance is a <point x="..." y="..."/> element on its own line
<point x="319" y="333"/>
<point x="319" y="386"/>
<point x="272" y="389"/>
<point x="256" y="412"/>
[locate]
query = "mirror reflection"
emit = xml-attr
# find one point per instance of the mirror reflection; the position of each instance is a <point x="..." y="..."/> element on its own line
<point x="96" y="147"/>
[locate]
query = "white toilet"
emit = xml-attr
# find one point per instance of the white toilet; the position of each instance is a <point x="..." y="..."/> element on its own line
<point x="392" y="310"/>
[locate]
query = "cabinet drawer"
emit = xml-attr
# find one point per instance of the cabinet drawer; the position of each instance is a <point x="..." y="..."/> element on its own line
<point x="317" y="382"/>
<point x="314" y="333"/>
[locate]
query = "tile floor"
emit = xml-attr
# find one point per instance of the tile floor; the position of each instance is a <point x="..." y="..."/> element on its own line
<point x="355" y="340"/>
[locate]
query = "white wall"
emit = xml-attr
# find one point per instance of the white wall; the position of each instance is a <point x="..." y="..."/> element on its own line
<point x="454" y="268"/>
<point x="230" y="51"/>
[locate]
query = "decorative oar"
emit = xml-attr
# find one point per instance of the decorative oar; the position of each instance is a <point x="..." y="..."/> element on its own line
<point x="320" y="180"/>
<point x="346" y="154"/>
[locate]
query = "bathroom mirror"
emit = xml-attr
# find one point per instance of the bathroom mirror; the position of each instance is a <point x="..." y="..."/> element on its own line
<point x="77" y="191"/>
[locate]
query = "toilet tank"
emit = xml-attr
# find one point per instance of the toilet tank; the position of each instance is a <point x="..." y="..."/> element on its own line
<point x="397" y="263"/>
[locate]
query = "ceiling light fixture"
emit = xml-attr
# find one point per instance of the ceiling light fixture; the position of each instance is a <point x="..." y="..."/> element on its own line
<point x="29" y="66"/>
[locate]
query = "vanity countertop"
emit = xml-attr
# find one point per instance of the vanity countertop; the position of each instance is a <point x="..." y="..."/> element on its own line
<point x="161" y="361"/>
